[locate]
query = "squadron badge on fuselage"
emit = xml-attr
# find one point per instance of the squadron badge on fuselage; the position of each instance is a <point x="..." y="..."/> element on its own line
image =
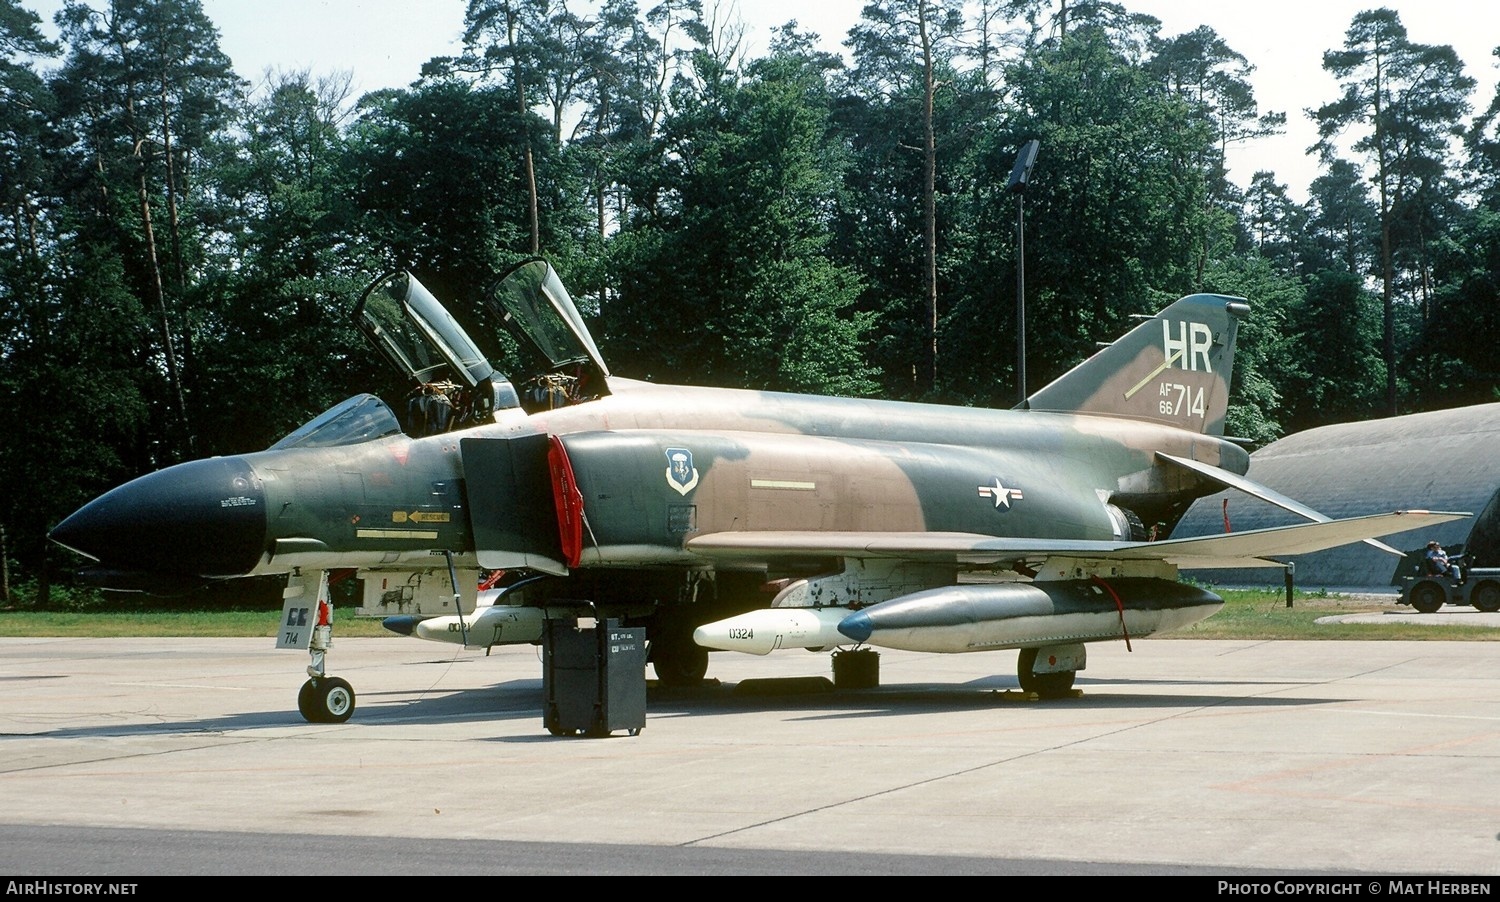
<point x="681" y="474"/>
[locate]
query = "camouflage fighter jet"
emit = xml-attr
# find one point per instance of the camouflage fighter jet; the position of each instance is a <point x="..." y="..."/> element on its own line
<point x="725" y="519"/>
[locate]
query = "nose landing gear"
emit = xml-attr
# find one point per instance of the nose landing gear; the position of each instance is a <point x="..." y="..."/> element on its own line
<point x="322" y="699"/>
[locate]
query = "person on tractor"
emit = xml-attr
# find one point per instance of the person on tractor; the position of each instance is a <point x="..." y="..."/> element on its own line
<point x="1438" y="563"/>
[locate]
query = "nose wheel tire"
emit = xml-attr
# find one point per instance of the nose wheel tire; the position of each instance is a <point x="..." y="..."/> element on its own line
<point x="326" y="700"/>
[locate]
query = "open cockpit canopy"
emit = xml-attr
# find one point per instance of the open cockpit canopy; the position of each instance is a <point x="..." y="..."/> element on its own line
<point x="456" y="382"/>
<point x="531" y="304"/>
<point x="417" y="334"/>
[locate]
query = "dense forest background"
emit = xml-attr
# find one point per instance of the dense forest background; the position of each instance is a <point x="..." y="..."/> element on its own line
<point x="180" y="255"/>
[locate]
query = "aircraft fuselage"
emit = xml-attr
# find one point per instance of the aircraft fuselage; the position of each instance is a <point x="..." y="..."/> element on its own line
<point x="746" y="461"/>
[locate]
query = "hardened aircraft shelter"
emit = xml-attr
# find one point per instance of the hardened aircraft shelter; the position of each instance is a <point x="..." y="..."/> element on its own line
<point x="1443" y="460"/>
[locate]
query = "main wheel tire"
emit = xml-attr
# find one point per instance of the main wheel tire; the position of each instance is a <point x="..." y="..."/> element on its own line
<point x="1044" y="685"/>
<point x="678" y="661"/>
<point x="1428" y="595"/>
<point x="679" y="664"/>
<point x="1486" y="596"/>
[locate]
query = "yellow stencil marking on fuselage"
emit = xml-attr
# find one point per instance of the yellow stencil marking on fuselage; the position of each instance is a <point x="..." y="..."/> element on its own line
<point x="395" y="533"/>
<point x="791" y="484"/>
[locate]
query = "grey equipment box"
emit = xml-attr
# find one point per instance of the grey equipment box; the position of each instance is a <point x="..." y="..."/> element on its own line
<point x="594" y="678"/>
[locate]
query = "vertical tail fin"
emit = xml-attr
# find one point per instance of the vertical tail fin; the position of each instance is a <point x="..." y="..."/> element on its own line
<point x="1173" y="369"/>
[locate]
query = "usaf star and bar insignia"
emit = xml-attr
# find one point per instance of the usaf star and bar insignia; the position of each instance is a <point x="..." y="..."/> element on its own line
<point x="1000" y="493"/>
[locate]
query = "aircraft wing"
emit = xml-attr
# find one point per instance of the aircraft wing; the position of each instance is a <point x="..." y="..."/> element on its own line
<point x="1254" y="548"/>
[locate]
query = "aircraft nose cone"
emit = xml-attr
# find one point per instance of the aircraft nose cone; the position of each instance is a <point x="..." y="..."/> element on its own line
<point x="857" y="626"/>
<point x="205" y="518"/>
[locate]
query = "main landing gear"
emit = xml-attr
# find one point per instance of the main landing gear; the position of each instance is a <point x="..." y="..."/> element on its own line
<point x="1050" y="675"/>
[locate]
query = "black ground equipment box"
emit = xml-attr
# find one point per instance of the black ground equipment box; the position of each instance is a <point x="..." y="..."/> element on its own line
<point x="594" y="677"/>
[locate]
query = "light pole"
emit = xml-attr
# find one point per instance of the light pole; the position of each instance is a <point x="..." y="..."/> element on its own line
<point x="1020" y="174"/>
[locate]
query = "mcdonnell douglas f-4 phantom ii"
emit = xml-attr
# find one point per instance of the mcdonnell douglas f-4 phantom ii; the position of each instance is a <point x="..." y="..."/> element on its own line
<point x="722" y="519"/>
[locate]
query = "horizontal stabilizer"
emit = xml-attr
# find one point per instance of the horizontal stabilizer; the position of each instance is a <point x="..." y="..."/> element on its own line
<point x="1264" y="493"/>
<point x="1245" y="549"/>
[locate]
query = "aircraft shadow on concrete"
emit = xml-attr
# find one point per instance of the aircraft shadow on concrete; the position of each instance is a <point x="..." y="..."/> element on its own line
<point x="812" y="698"/>
<point x="517" y="700"/>
<point x="991" y="693"/>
